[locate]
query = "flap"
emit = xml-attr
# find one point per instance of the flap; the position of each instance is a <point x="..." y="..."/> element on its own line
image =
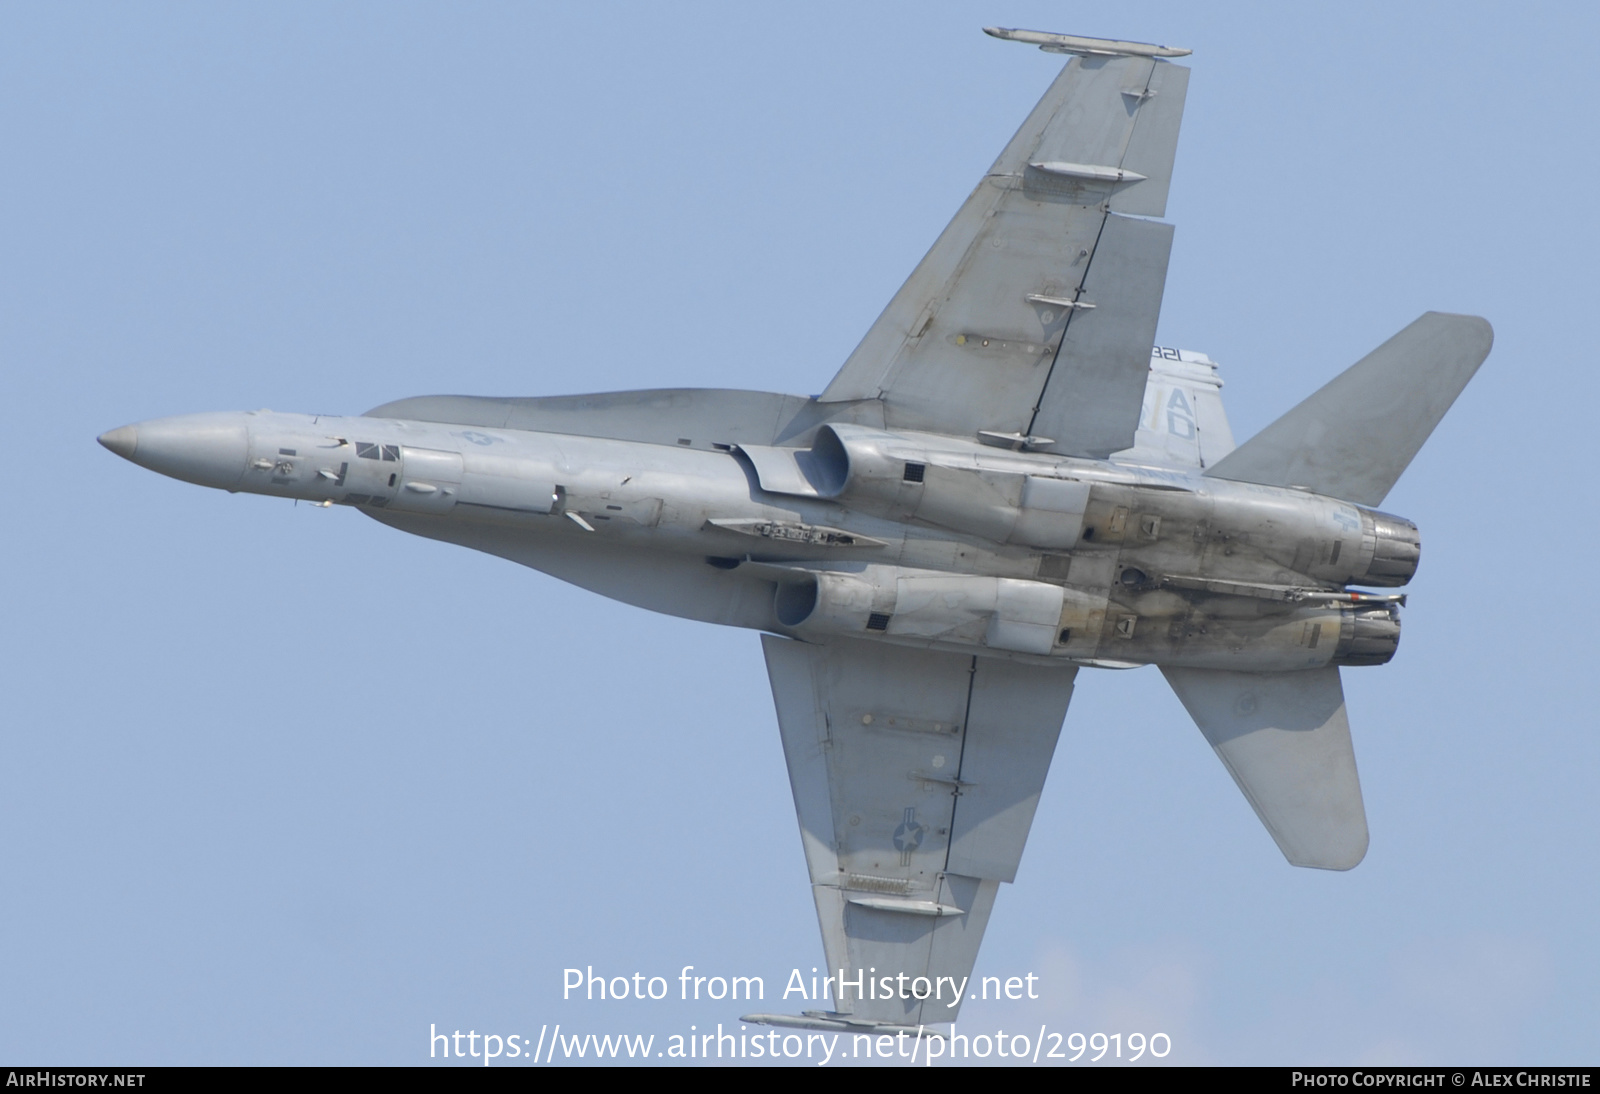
<point x="1095" y="391"/>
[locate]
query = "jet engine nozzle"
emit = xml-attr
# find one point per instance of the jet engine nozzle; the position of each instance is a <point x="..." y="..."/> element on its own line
<point x="1368" y="636"/>
<point x="206" y="449"/>
<point x="1396" y="549"/>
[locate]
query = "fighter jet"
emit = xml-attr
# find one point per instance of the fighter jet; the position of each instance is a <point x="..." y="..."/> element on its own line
<point x="1005" y="483"/>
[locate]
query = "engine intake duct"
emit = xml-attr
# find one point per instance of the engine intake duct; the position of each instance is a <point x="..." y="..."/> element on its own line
<point x="924" y="606"/>
<point x="1368" y="635"/>
<point x="1396" y="549"/>
<point x="903" y="478"/>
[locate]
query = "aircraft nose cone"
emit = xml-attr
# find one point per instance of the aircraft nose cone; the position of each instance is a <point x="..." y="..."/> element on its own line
<point x="124" y="441"/>
<point x="208" y="449"/>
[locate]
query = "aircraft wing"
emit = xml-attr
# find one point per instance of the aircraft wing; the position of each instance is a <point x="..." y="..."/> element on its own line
<point x="915" y="777"/>
<point x="1034" y="313"/>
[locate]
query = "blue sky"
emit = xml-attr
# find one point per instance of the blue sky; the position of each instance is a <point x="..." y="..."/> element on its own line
<point x="285" y="786"/>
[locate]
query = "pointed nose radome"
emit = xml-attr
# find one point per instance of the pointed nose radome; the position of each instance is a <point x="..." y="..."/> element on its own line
<point x="206" y="449"/>
<point x="124" y="441"/>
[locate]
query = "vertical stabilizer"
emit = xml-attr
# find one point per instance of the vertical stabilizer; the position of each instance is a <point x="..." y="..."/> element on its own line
<point x="1182" y="423"/>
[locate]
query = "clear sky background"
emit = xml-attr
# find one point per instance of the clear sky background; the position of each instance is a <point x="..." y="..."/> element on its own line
<point x="284" y="786"/>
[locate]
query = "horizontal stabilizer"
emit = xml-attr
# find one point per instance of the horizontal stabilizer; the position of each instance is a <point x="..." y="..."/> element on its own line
<point x="1355" y="437"/>
<point x="1285" y="739"/>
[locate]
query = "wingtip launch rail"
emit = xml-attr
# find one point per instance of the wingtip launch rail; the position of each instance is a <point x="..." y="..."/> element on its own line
<point x="1084" y="47"/>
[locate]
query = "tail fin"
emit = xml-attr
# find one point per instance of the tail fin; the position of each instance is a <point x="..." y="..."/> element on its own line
<point x="1353" y="438"/>
<point x="1182" y="423"/>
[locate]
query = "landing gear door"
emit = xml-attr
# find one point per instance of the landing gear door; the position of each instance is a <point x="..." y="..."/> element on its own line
<point x="430" y="479"/>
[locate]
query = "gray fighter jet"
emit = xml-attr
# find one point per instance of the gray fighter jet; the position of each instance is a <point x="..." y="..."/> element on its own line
<point x="1002" y="485"/>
